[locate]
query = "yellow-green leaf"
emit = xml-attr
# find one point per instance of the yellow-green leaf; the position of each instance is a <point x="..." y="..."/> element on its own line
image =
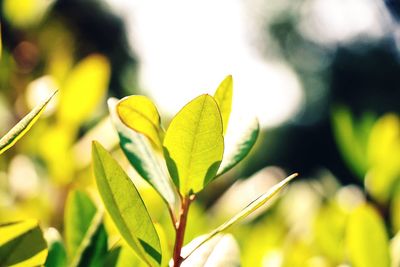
<point x="145" y="159"/>
<point x="366" y="239"/>
<point x="84" y="89"/>
<point x="22" y="244"/>
<point x="194" y="144"/>
<point x="250" y="208"/>
<point x="223" y="96"/>
<point x="23" y="126"/>
<point x="141" y="115"/>
<point x="125" y="206"/>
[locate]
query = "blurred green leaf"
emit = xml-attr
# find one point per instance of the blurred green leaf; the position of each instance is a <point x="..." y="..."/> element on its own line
<point x="223" y="96"/>
<point x="220" y="251"/>
<point x="125" y="206"/>
<point x="352" y="138"/>
<point x="95" y="252"/>
<point x="88" y="80"/>
<point x="22" y="244"/>
<point x="146" y="161"/>
<point x="57" y="256"/>
<point x="254" y="205"/>
<point x="366" y="239"/>
<point x="329" y="229"/>
<point x="23" y="126"/>
<point x="383" y="153"/>
<point x="123" y="256"/>
<point x="79" y="213"/>
<point x="238" y="142"/>
<point x="141" y="115"/>
<point x="84" y="233"/>
<point x="194" y="144"/>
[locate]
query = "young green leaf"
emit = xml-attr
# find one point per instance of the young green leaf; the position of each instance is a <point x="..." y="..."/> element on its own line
<point x="22" y="244"/>
<point x="141" y="115"/>
<point x="223" y="96"/>
<point x="255" y="204"/>
<point x="220" y="251"/>
<point x="23" y="126"/>
<point x="194" y="144"/>
<point x="125" y="206"/>
<point x="146" y="161"/>
<point x="239" y="140"/>
<point x="366" y="238"/>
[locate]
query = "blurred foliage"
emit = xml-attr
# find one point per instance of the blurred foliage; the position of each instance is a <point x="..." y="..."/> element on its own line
<point x="349" y="128"/>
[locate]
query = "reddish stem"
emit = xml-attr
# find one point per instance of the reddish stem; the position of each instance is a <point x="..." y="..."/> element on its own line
<point x="180" y="228"/>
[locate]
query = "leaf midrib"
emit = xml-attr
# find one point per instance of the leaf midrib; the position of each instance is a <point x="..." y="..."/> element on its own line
<point x="194" y="142"/>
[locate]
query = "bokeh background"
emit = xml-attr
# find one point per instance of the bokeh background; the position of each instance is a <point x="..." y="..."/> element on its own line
<point x="322" y="76"/>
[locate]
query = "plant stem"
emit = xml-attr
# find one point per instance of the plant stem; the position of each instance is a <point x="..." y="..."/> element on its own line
<point x="180" y="231"/>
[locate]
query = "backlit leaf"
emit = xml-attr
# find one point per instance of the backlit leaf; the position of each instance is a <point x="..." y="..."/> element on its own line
<point x="141" y="115"/>
<point x="223" y="96"/>
<point x="125" y="206"/>
<point x="22" y="244"/>
<point x="239" y="140"/>
<point x="220" y="251"/>
<point x="83" y="90"/>
<point x="255" y="204"/>
<point x="22" y="126"/>
<point x="194" y="144"/>
<point x="146" y="161"/>
<point x="366" y="238"/>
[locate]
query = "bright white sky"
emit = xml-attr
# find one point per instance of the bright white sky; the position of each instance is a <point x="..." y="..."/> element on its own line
<point x="186" y="48"/>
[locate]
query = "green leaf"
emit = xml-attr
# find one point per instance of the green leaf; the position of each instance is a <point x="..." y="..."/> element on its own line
<point x="352" y="138"/>
<point x="146" y="161"/>
<point x="23" y="126"/>
<point x="141" y="115"/>
<point x="125" y="206"/>
<point x="57" y="256"/>
<point x="95" y="252"/>
<point x="194" y="144"/>
<point x="366" y="238"/>
<point x="84" y="233"/>
<point x="22" y="244"/>
<point x="239" y="140"/>
<point x="220" y="251"/>
<point x="79" y="213"/>
<point x="255" y="204"/>
<point x="223" y="96"/>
